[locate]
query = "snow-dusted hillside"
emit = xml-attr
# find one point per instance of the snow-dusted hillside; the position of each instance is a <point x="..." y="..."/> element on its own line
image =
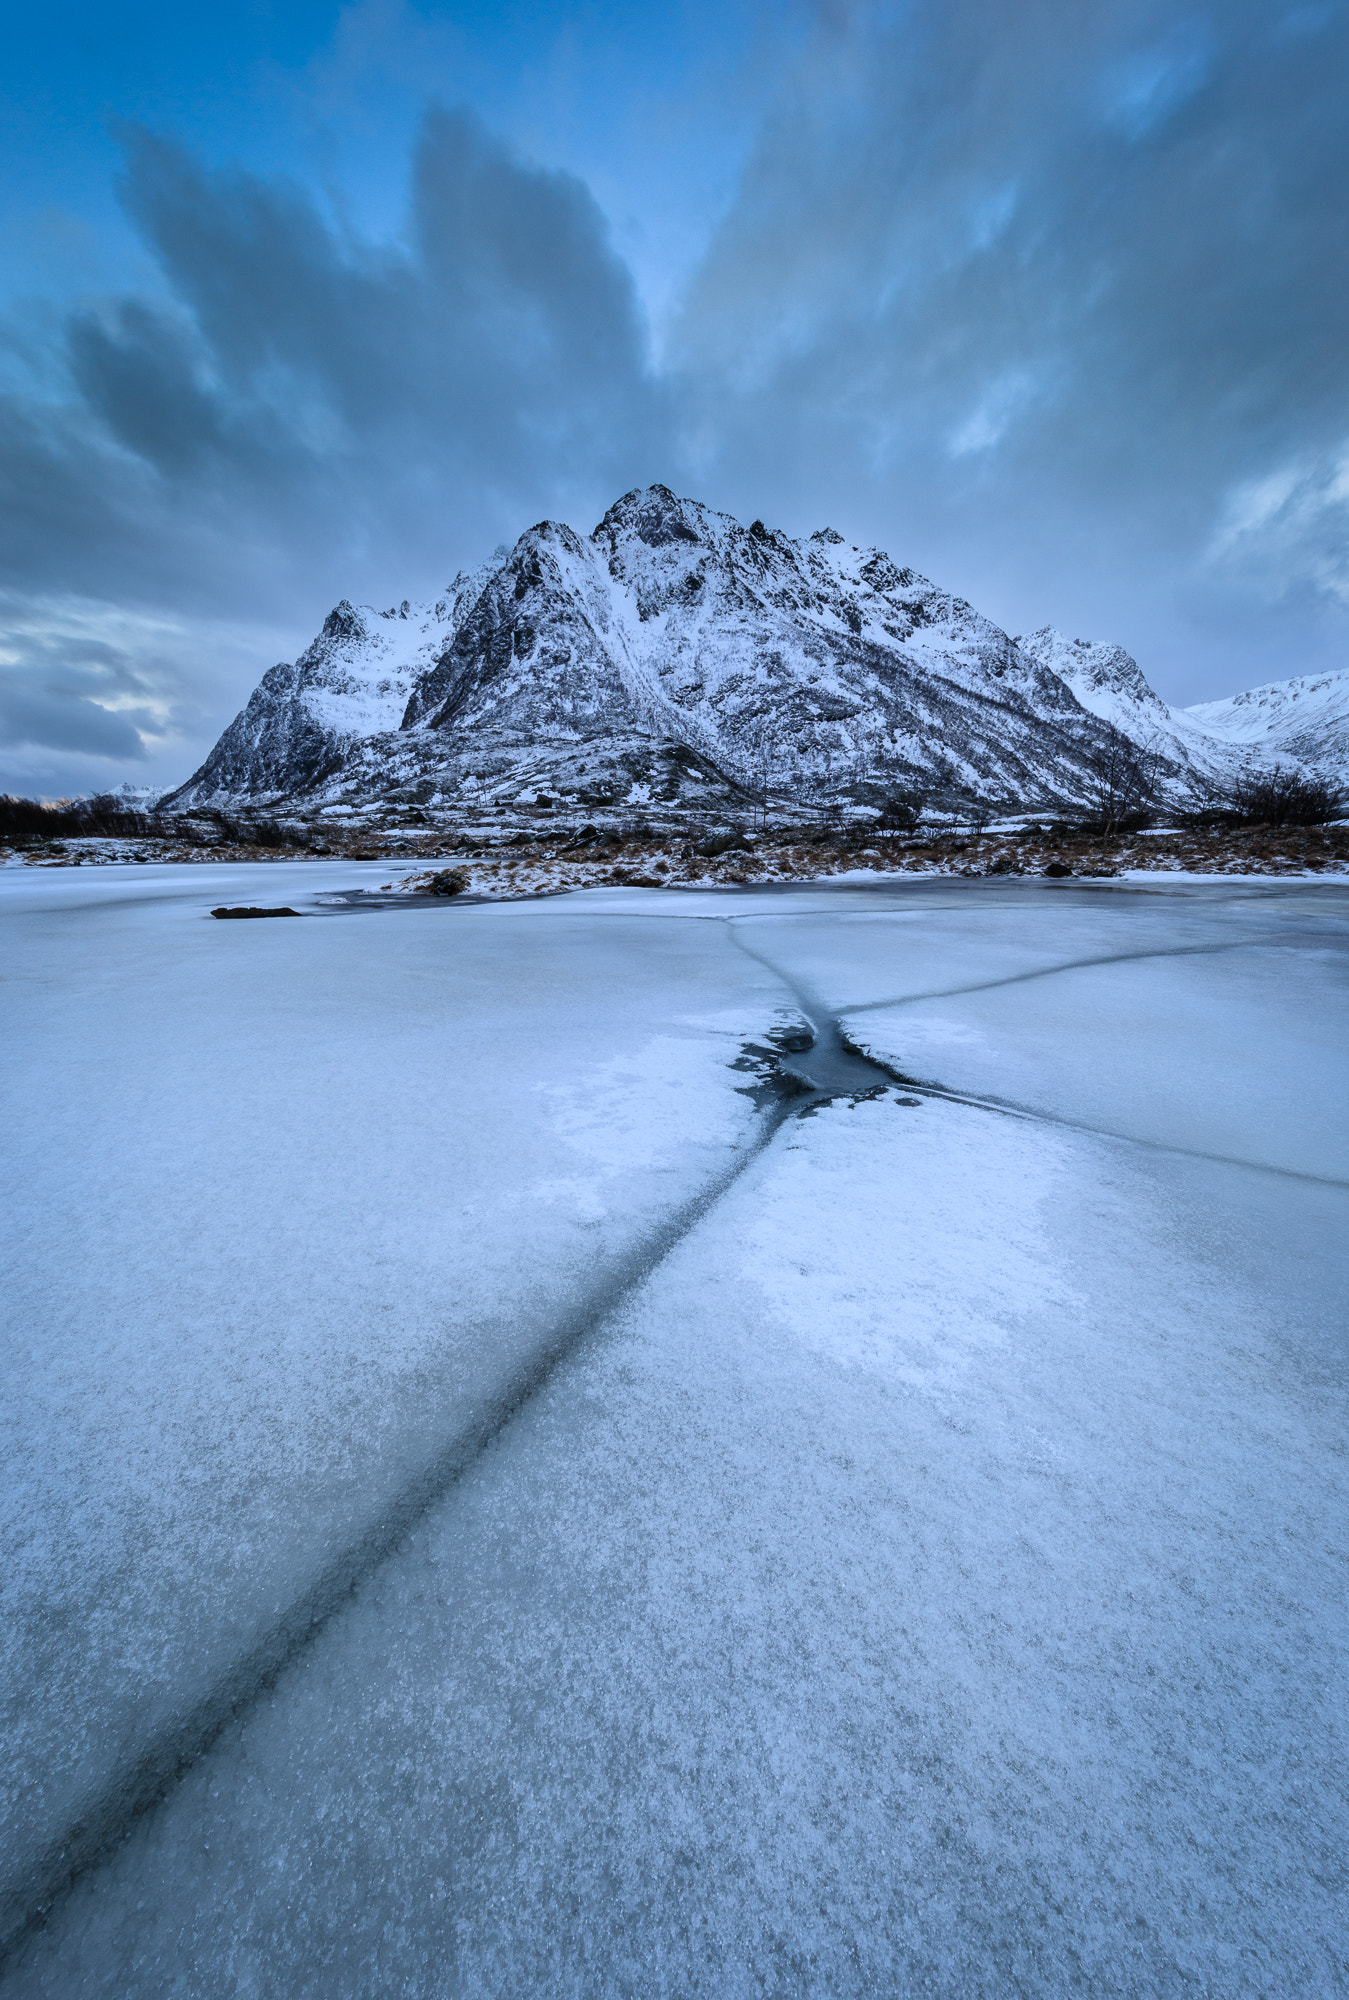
<point x="1306" y="718"/>
<point x="303" y="720"/>
<point x="674" y="655"/>
<point x="1110" y="684"/>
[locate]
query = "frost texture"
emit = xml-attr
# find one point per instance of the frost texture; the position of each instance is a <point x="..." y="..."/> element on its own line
<point x="930" y="1578"/>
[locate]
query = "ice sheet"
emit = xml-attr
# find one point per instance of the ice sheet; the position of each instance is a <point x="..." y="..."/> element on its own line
<point x="932" y="1579"/>
<point x="1215" y="1025"/>
<point x="293" y="1210"/>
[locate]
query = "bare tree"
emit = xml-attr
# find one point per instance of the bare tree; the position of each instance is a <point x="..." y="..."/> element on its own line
<point x="901" y="813"/>
<point x="762" y="764"/>
<point x="1121" y="781"/>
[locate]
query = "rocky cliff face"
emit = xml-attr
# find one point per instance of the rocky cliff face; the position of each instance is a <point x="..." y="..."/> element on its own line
<point x="303" y="721"/>
<point x="674" y="654"/>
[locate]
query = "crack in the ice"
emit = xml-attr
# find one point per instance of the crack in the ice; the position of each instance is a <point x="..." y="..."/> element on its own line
<point x="829" y="1066"/>
<point x="830" y="1024"/>
<point x="1008" y="1108"/>
<point x="1068" y="965"/>
<point x="799" y="1073"/>
<point x="109" y="1820"/>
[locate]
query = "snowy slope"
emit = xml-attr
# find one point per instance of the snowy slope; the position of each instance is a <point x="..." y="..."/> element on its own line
<point x="1306" y="718"/>
<point x="302" y="720"/>
<point x="1109" y="683"/>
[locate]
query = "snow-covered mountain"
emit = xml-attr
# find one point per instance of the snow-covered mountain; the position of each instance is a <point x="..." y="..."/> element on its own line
<point x="1109" y="683"/>
<point x="674" y="654"/>
<point x="1306" y="718"/>
<point x="352" y="683"/>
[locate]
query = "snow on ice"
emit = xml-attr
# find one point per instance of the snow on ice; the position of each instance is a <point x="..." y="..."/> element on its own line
<point x="553" y="1515"/>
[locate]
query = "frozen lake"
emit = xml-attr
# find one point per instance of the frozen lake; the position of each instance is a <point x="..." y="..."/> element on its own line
<point x="501" y="1499"/>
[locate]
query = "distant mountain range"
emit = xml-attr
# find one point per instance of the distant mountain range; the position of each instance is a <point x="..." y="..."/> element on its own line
<point x="674" y="657"/>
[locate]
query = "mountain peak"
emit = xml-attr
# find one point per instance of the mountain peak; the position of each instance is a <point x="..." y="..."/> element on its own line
<point x="1102" y="675"/>
<point x="344" y="621"/>
<point x="655" y="516"/>
<point x="677" y="649"/>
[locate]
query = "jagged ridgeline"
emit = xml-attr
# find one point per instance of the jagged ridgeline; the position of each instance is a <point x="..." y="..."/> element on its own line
<point x="674" y="657"/>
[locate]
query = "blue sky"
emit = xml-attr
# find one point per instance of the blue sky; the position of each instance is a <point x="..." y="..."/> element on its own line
<point x="655" y="109"/>
<point x="304" y="301"/>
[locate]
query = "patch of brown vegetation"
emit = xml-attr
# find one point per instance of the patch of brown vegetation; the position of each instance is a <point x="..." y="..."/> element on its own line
<point x="541" y="863"/>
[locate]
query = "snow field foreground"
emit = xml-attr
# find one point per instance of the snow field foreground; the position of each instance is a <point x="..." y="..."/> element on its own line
<point x="294" y="1211"/>
<point x="931" y="1576"/>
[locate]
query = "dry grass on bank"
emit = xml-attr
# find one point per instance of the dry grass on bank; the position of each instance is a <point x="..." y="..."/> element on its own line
<point x="505" y="864"/>
<point x="541" y="867"/>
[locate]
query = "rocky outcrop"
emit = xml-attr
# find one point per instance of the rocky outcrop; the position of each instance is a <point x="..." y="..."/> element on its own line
<point x="303" y="721"/>
<point x="1110" y="684"/>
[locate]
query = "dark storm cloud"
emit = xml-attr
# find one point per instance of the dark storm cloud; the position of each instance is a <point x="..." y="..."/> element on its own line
<point x="298" y="399"/>
<point x="300" y="416"/>
<point x="500" y="336"/>
<point x="1010" y="278"/>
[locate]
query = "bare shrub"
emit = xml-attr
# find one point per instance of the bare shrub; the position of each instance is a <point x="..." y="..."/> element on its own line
<point x="1121" y="783"/>
<point x="446" y="882"/>
<point x="900" y="813"/>
<point x="1282" y="797"/>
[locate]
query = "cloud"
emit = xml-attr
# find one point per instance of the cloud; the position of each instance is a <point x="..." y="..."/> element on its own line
<point x="299" y="415"/>
<point x="297" y="401"/>
<point x="1053" y="301"/>
<point x="38" y="717"/>
<point x="88" y="688"/>
<point x="66" y="684"/>
<point x="1288" y="530"/>
<point x="1028" y="290"/>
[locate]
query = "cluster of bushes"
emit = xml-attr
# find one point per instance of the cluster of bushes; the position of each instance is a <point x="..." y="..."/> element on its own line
<point x="32" y="822"/>
<point x="900" y="814"/>
<point x="1280" y="798"/>
<point x="218" y="829"/>
<point x="1125" y="793"/>
<point x="24" y="822"/>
